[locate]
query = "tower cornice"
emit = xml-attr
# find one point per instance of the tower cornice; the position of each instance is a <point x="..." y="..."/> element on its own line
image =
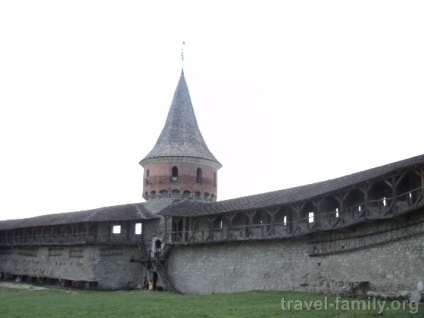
<point x="174" y="159"/>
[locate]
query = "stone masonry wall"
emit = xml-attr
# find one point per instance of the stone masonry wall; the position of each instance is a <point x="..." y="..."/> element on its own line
<point x="58" y="262"/>
<point x="391" y="263"/>
<point x="113" y="269"/>
<point x="109" y="266"/>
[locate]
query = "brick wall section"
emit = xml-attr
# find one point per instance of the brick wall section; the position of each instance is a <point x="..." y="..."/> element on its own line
<point x="160" y="179"/>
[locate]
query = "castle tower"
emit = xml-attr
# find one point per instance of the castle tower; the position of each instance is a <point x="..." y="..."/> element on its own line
<point x="180" y="164"/>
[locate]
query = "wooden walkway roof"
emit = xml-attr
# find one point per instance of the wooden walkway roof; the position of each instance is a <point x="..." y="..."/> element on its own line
<point x="125" y="212"/>
<point x="288" y="196"/>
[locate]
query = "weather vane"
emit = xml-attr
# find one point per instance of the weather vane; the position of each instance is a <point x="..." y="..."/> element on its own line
<point x="182" y="53"/>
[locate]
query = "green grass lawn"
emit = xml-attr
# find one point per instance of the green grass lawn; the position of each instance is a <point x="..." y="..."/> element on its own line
<point x="80" y="303"/>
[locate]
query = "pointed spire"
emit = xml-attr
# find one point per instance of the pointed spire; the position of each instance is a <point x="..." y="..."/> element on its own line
<point x="181" y="136"/>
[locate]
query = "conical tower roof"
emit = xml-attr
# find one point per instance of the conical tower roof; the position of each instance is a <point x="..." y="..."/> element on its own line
<point x="181" y="136"/>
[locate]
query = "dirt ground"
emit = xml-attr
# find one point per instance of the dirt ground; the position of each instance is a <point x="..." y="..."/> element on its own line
<point x="20" y="286"/>
<point x="29" y="287"/>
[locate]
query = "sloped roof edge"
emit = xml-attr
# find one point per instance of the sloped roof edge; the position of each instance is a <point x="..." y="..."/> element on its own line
<point x="286" y="196"/>
<point x="125" y="212"/>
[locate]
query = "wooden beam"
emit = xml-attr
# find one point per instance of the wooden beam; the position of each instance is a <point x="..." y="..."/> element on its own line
<point x="400" y="178"/>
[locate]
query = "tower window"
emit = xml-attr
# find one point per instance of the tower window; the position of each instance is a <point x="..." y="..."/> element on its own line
<point x="199" y="175"/>
<point x="214" y="179"/>
<point x="311" y="217"/>
<point x="174" y="174"/>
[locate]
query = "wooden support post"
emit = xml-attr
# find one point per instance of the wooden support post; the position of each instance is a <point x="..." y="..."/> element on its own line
<point x="166" y="220"/>
<point x="297" y="209"/>
<point x="211" y="229"/>
<point x="250" y="215"/>
<point x="395" y="182"/>
<point x="422" y="178"/>
<point x="317" y="220"/>
<point x="184" y="229"/>
<point x="271" y="229"/>
<point x="342" y="212"/>
<point x="194" y="226"/>
<point x="365" y="189"/>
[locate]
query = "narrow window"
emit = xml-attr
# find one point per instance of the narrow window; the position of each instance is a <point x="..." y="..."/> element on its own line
<point x="337" y="212"/>
<point x="138" y="228"/>
<point x="285" y="220"/>
<point x="199" y="175"/>
<point x="116" y="229"/>
<point x="214" y="179"/>
<point x="220" y="224"/>
<point x="311" y="217"/>
<point x="384" y="201"/>
<point x="147" y="176"/>
<point x="174" y="174"/>
<point x="359" y="208"/>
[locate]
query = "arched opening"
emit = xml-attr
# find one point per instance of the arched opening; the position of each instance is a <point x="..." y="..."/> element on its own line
<point x="199" y="175"/>
<point x="158" y="244"/>
<point x="218" y="223"/>
<point x="174" y="177"/>
<point x="282" y="221"/>
<point x="307" y="217"/>
<point x="175" y="193"/>
<point x="155" y="279"/>
<point x="163" y="193"/>
<point x="379" y="198"/>
<point x="258" y="217"/>
<point x="408" y="189"/>
<point x="329" y="211"/>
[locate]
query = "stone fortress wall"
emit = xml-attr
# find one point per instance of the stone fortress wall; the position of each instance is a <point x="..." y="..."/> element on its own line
<point x="384" y="256"/>
<point x="103" y="267"/>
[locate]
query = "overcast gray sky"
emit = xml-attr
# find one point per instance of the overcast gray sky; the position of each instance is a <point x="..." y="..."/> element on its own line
<point x="285" y="93"/>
